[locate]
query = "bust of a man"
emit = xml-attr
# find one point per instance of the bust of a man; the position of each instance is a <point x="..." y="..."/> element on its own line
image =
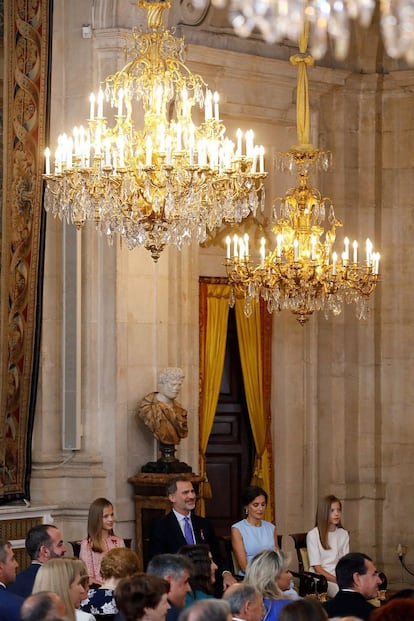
<point x="160" y="411"/>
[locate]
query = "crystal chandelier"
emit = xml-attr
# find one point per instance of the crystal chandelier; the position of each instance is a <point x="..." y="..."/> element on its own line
<point x="303" y="273"/>
<point x="328" y="19"/>
<point x="170" y="182"/>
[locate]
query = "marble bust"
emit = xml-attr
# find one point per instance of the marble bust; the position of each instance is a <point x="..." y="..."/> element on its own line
<point x="160" y="411"/>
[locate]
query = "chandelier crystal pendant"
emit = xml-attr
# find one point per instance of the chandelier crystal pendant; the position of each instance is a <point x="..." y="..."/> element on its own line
<point x="171" y="181"/>
<point x="277" y="20"/>
<point x="303" y="273"/>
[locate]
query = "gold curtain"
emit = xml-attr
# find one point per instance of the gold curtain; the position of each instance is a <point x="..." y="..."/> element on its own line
<point x="252" y="356"/>
<point x="214" y="312"/>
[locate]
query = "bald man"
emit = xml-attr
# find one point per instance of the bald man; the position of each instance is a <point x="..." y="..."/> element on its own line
<point x="43" y="606"/>
<point x="246" y="603"/>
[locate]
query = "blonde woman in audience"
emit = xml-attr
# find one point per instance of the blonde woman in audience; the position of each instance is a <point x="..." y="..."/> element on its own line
<point x="116" y="564"/>
<point x="100" y="539"/>
<point x="67" y="578"/>
<point x="328" y="541"/>
<point x="263" y="573"/>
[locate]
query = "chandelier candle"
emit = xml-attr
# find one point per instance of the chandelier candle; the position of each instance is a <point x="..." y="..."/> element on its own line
<point x="328" y="19"/>
<point x="302" y="274"/>
<point x="171" y="181"/>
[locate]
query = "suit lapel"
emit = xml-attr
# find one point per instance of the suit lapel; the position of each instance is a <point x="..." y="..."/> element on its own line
<point x="178" y="533"/>
<point x="199" y="533"/>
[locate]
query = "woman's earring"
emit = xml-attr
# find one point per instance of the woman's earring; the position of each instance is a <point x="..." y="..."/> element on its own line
<point x="246" y="511"/>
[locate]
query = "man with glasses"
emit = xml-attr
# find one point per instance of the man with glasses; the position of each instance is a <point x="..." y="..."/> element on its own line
<point x="358" y="581"/>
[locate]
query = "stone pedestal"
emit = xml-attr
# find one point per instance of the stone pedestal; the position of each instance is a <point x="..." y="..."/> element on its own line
<point x="167" y="463"/>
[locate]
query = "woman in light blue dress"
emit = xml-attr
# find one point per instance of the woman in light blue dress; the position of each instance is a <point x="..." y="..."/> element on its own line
<point x="253" y="534"/>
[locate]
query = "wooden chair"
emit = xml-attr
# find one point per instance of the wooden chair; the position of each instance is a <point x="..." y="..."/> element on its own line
<point x="311" y="583"/>
<point x="228" y="555"/>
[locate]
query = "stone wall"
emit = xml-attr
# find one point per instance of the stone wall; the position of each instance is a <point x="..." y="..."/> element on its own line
<point x="342" y="389"/>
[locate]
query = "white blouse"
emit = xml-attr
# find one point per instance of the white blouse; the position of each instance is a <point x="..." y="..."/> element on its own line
<point x="338" y="540"/>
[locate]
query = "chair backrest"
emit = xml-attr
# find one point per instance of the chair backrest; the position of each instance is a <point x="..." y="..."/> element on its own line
<point x="310" y="583"/>
<point x="75" y="547"/>
<point x="301" y="551"/>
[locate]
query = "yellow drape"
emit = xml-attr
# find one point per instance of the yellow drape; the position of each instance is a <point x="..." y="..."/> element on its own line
<point x="249" y="332"/>
<point x="212" y="353"/>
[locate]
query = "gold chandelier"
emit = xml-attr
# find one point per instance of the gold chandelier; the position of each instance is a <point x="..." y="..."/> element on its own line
<point x="329" y="20"/>
<point x="303" y="273"/>
<point x="170" y="182"/>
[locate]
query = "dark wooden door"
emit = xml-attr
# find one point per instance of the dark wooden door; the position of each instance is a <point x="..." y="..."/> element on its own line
<point x="230" y="450"/>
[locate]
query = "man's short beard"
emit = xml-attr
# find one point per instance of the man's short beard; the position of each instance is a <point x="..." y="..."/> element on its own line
<point x="53" y="554"/>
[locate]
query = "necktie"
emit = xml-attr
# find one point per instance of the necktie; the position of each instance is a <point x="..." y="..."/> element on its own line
<point x="188" y="533"/>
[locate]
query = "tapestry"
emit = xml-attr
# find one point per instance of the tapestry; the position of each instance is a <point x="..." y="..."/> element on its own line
<point x="26" y="49"/>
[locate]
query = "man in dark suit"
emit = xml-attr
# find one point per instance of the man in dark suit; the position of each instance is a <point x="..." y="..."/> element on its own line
<point x="358" y="581"/>
<point x="171" y="531"/>
<point x="10" y="603"/>
<point x="43" y="542"/>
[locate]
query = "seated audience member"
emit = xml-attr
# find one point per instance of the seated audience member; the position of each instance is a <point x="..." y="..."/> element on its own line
<point x="181" y="526"/>
<point x="253" y="534"/>
<point x="10" y="604"/>
<point x="43" y="606"/>
<point x="43" y="542"/>
<point x="100" y="539"/>
<point x="68" y="578"/>
<point x="207" y="610"/>
<point x="399" y="609"/>
<point x="404" y="593"/>
<point x="116" y="564"/>
<point x="263" y="572"/>
<point x="246" y="603"/>
<point x="142" y="596"/>
<point x="203" y="574"/>
<point x="306" y="609"/>
<point x="176" y="569"/>
<point x="285" y="584"/>
<point x="328" y="541"/>
<point x="358" y="581"/>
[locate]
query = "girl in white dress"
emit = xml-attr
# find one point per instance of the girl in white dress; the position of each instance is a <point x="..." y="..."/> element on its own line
<point x="328" y="541"/>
